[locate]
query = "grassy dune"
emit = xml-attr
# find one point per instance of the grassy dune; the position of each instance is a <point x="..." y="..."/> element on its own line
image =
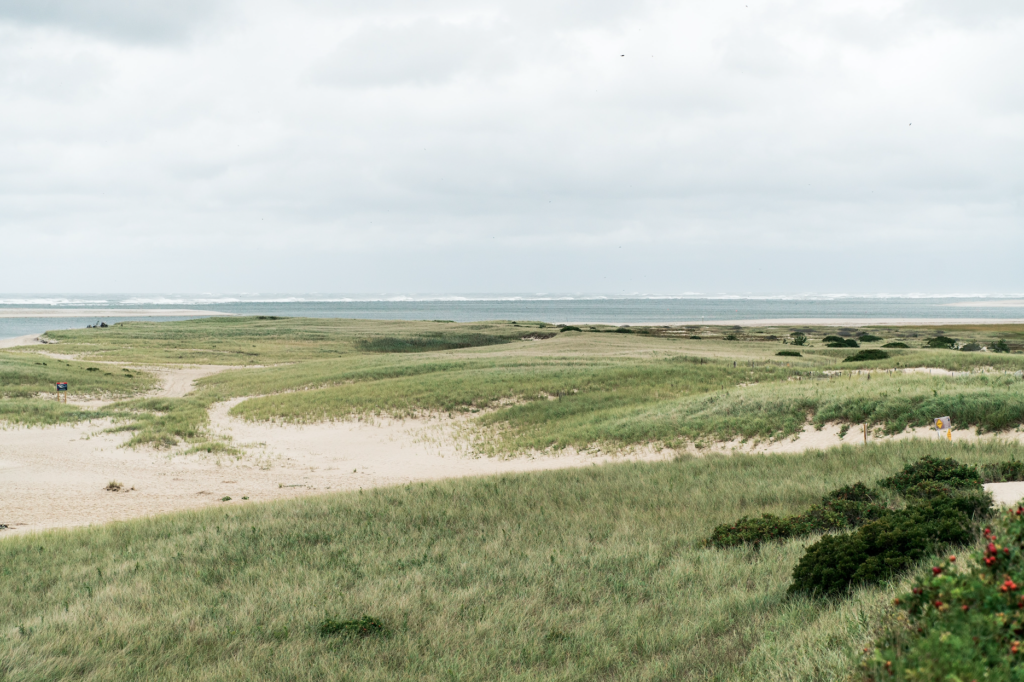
<point x="584" y="574"/>
<point x="538" y="387"/>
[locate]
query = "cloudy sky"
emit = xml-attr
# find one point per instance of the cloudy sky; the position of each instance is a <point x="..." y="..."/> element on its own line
<point x="512" y="145"/>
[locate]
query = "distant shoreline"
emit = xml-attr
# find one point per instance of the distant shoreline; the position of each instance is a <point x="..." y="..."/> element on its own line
<point x="107" y="312"/>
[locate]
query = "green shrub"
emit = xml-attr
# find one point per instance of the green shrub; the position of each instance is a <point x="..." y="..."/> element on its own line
<point x="932" y="470"/>
<point x="867" y="355"/>
<point x="847" y="507"/>
<point x="695" y="338"/>
<point x="1000" y="346"/>
<point x="364" y="627"/>
<point x="799" y="339"/>
<point x="790" y="354"/>
<point x="840" y="342"/>
<point x="961" y="622"/>
<point x="570" y="328"/>
<point x="1001" y="472"/>
<point x="941" y="342"/>
<point x="623" y="330"/>
<point x="436" y="341"/>
<point x="730" y="337"/>
<point x="896" y="344"/>
<point x="881" y="548"/>
<point x="869" y="338"/>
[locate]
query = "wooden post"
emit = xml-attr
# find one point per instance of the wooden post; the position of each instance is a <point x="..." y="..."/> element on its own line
<point x="865" y="434"/>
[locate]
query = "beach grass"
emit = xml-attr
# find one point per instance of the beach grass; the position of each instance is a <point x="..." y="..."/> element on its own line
<point x="532" y="386"/>
<point x="582" y="574"/>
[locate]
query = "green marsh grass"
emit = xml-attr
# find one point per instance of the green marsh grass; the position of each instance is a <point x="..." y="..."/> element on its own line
<point x="583" y="574"/>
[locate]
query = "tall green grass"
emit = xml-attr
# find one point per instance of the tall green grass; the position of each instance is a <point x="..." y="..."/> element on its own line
<point x="584" y="574"/>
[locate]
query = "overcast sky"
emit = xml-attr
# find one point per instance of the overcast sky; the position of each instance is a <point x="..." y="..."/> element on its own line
<point x="511" y="145"/>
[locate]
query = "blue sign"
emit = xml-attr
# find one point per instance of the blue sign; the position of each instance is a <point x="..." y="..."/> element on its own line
<point x="62" y="385"/>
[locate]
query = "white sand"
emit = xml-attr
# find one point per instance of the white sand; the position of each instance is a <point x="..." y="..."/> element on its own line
<point x="28" y="340"/>
<point x="100" y="313"/>
<point x="55" y="477"/>
<point x="1006" y="494"/>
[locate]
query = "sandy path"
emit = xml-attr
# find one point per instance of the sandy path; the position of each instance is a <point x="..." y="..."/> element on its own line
<point x="55" y="477"/>
<point x="179" y="382"/>
<point x="27" y="340"/>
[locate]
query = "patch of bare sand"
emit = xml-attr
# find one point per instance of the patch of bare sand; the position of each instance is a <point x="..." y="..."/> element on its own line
<point x="56" y="477"/>
<point x="1006" y="494"/>
<point x="28" y="340"/>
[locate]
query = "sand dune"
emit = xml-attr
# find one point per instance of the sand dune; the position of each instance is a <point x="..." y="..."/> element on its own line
<point x="57" y="476"/>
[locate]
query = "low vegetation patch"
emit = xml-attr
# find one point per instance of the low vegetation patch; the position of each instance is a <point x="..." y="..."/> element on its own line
<point x="930" y="504"/>
<point x="592" y="573"/>
<point x="870" y="338"/>
<point x="868" y="354"/>
<point x="790" y="354"/>
<point x="896" y="344"/>
<point x="366" y="626"/>
<point x="964" y="617"/>
<point x="941" y="342"/>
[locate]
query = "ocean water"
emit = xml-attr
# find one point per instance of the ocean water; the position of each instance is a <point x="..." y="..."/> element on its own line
<point x="553" y="308"/>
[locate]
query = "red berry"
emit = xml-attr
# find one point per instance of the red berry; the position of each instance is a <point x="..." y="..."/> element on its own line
<point x="952" y="557"/>
<point x="936" y="570"/>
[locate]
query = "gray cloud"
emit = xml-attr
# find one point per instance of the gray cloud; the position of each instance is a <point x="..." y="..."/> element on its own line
<point x="485" y="146"/>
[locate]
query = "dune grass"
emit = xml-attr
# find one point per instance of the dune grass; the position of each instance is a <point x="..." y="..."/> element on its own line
<point x="594" y="573"/>
<point x="26" y="375"/>
<point x="540" y="388"/>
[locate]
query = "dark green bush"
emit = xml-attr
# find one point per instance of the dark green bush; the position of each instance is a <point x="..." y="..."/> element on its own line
<point x="941" y="342"/>
<point x="570" y="328"/>
<point x="843" y="343"/>
<point x="961" y="622"/>
<point x="867" y="355"/>
<point x="790" y="354"/>
<point x="1000" y="346"/>
<point x="881" y="548"/>
<point x="971" y="347"/>
<point x="623" y="330"/>
<point x="695" y="338"/>
<point x="364" y="627"/>
<point x="1001" y="472"/>
<point x="858" y="492"/>
<point x="847" y="507"/>
<point x="896" y="344"/>
<point x="869" y="338"/>
<point x="432" y="341"/>
<point x="932" y="469"/>
<point x="799" y="339"/>
<point x="730" y="337"/>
